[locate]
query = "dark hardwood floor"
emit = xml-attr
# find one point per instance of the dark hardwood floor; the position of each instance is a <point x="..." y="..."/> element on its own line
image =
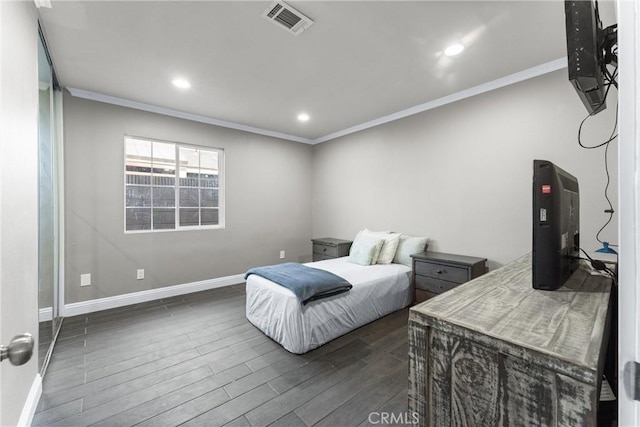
<point x="195" y="360"/>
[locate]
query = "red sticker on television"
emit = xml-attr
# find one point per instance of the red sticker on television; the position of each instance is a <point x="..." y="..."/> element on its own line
<point x="546" y="189"/>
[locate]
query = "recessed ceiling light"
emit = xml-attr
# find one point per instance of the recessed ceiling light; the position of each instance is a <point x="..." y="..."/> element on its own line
<point x="181" y="83"/>
<point x="454" y="49"/>
<point x="303" y="117"/>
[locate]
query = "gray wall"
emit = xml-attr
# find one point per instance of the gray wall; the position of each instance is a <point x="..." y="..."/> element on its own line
<point x="18" y="199"/>
<point x="268" y="204"/>
<point x="461" y="174"/>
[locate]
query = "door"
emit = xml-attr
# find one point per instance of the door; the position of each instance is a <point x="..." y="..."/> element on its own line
<point x="18" y="200"/>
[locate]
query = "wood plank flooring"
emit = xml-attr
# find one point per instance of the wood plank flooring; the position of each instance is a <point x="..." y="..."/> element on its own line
<point x="195" y="360"/>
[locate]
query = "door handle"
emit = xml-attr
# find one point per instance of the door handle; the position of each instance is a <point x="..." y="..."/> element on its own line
<point x="19" y="350"/>
<point x="631" y="379"/>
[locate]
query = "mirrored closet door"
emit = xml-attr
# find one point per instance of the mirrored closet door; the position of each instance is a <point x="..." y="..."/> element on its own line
<point x="49" y="126"/>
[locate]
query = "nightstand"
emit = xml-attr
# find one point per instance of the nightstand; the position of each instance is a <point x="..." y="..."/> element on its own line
<point x="327" y="248"/>
<point x="435" y="272"/>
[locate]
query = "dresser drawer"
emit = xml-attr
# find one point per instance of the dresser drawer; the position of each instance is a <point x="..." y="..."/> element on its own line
<point x="434" y="286"/>
<point x="328" y="251"/>
<point x="442" y="272"/>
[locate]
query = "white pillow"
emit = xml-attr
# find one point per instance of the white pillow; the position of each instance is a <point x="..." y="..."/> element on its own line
<point x="389" y="246"/>
<point x="408" y="246"/>
<point x="369" y="233"/>
<point x="365" y="249"/>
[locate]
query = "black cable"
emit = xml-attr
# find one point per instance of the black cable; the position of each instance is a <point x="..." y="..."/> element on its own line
<point x="598" y="265"/>
<point x="610" y="211"/>
<point x="595" y="110"/>
<point x="611" y="79"/>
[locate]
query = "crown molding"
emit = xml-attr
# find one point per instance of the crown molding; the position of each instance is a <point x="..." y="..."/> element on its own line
<point x="108" y="99"/>
<point x="530" y="73"/>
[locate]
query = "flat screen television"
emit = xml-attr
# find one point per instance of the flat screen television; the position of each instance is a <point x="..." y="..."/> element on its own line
<point x="556" y="225"/>
<point x="585" y="52"/>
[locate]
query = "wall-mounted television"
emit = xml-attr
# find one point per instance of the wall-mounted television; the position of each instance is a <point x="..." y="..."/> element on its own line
<point x="589" y="49"/>
<point x="556" y="225"/>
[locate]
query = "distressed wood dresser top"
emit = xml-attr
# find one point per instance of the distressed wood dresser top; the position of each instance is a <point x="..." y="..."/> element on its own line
<point x="566" y="325"/>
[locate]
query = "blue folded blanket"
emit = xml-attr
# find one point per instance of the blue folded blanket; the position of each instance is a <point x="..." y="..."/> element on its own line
<point x="307" y="283"/>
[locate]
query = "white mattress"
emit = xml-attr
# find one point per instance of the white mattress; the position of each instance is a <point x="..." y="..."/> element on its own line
<point x="377" y="291"/>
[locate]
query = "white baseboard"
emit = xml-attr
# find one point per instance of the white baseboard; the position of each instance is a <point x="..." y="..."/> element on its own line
<point x="29" y="408"/>
<point x="84" y="307"/>
<point x="45" y="314"/>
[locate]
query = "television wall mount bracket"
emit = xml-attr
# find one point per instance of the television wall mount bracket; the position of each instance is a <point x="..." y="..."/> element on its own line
<point x="609" y="38"/>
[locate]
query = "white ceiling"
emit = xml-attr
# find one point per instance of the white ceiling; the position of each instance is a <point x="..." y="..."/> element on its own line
<point x="358" y="62"/>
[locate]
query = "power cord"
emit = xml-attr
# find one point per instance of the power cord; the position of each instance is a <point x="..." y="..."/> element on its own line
<point x="599" y="266"/>
<point x="611" y="79"/>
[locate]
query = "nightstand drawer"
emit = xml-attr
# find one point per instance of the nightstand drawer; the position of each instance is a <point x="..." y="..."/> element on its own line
<point x="329" y="247"/>
<point x="443" y="272"/>
<point x="328" y="251"/>
<point x="435" y="286"/>
<point x="320" y="257"/>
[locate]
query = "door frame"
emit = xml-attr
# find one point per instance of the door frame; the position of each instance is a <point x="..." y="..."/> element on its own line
<point x="629" y="208"/>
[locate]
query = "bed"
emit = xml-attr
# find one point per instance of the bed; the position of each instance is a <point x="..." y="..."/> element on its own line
<point x="378" y="290"/>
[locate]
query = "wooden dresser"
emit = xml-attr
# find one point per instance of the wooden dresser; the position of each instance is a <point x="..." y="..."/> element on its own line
<point x="328" y="247"/>
<point x="496" y="352"/>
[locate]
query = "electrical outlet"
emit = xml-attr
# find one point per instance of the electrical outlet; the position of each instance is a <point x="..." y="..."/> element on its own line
<point x="140" y="274"/>
<point x="281" y="254"/>
<point x="85" y="279"/>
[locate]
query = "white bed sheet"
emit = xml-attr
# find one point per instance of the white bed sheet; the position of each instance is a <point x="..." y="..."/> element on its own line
<point x="377" y="291"/>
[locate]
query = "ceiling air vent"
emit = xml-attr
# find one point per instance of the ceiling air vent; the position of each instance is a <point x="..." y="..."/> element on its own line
<point x="287" y="17"/>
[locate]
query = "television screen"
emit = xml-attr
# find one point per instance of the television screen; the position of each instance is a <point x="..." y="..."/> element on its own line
<point x="556" y="225"/>
<point x="585" y="59"/>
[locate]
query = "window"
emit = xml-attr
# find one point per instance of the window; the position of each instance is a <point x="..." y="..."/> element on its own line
<point x="171" y="186"/>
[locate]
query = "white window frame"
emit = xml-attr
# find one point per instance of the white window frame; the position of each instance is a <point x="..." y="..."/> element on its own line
<point x="178" y="227"/>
